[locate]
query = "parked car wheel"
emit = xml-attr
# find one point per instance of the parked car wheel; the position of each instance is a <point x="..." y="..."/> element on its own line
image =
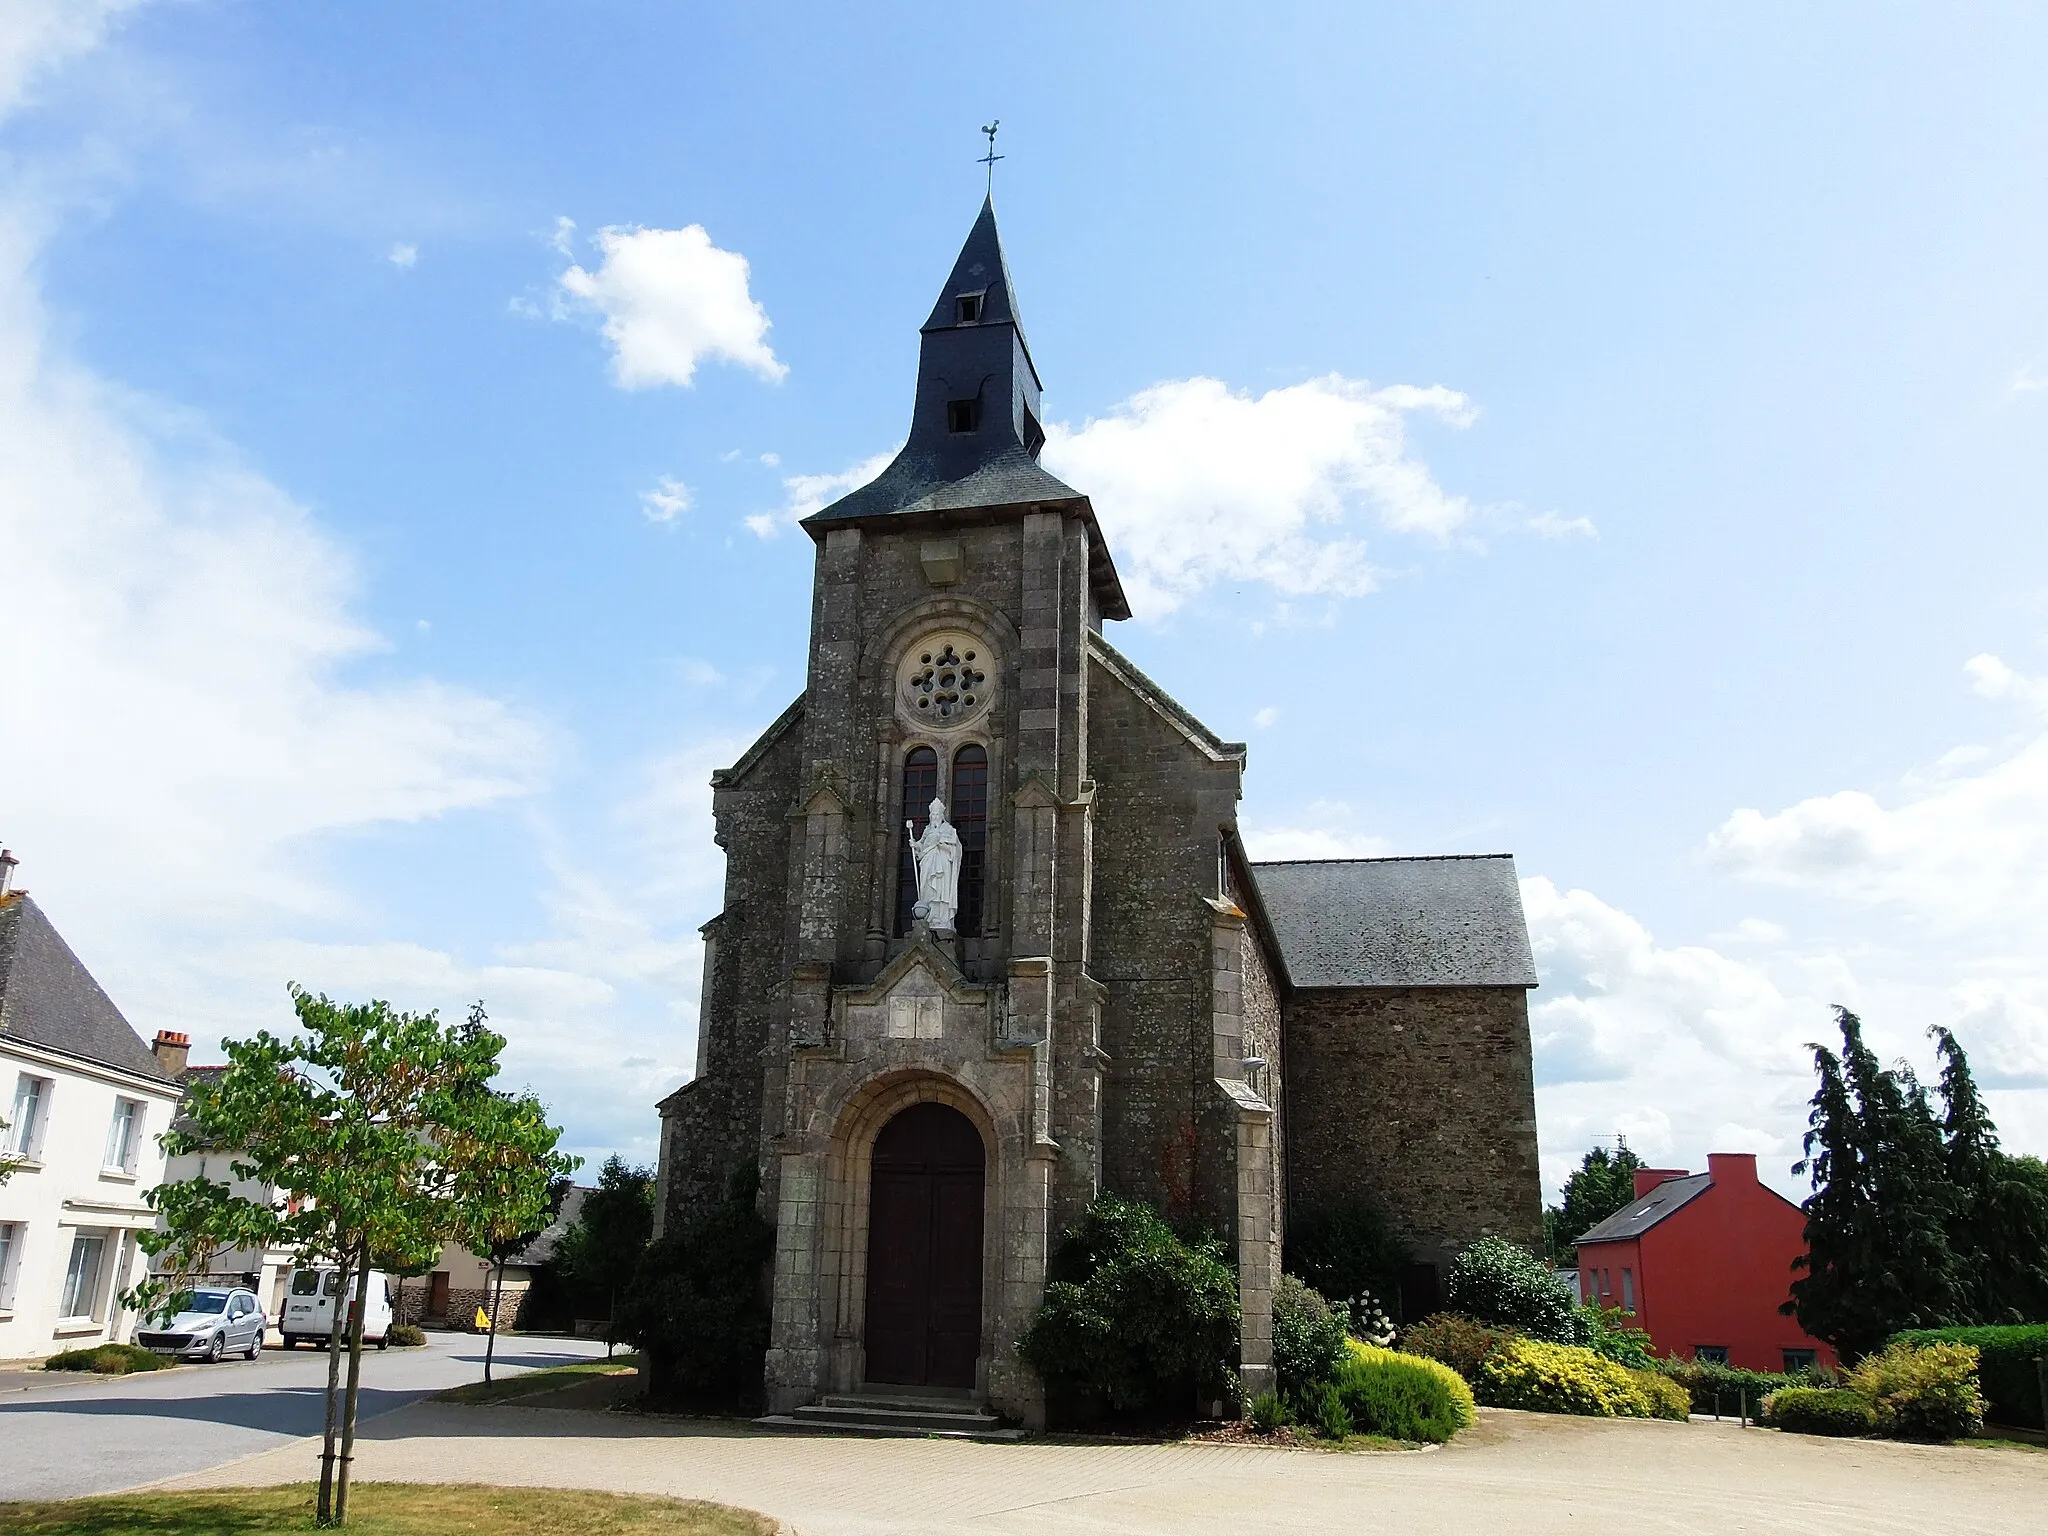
<point x="385" y="1342"/>
<point x="255" y="1348"/>
<point x="217" y="1348"/>
<point x="291" y="1341"/>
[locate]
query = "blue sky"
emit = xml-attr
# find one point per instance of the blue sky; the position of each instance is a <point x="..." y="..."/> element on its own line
<point x="1614" y="437"/>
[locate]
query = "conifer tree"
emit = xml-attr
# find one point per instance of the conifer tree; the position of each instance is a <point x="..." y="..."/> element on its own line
<point x="1604" y="1183"/>
<point x="1999" y="1229"/>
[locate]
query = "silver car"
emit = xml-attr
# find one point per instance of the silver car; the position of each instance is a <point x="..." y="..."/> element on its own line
<point x="207" y="1324"/>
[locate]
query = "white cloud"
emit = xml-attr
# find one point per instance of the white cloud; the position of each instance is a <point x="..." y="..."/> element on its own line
<point x="39" y="36"/>
<point x="1198" y="484"/>
<point x="562" y="238"/>
<point x="1266" y="718"/>
<point x="1554" y="525"/>
<point x="670" y="299"/>
<point x="403" y="255"/>
<point x="807" y="493"/>
<point x="2026" y="381"/>
<point x="669" y="500"/>
<point x="1960" y="850"/>
<point x="1327" y="838"/>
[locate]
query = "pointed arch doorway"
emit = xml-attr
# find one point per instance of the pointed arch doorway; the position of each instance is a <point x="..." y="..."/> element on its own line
<point x="924" y="1249"/>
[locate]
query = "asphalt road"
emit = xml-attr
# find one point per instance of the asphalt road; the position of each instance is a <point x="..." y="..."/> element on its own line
<point x="100" y="1434"/>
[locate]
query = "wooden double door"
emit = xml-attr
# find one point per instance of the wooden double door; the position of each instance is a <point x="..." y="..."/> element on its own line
<point x="924" y="1249"/>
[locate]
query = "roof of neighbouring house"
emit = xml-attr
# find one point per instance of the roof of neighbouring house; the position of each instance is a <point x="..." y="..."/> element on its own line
<point x="48" y="997"/>
<point x="1639" y="1215"/>
<point x="1453" y="920"/>
<point x="542" y="1248"/>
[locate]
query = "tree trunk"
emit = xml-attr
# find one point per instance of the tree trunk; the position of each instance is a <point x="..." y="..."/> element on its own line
<point x="497" y="1300"/>
<point x="355" y="1378"/>
<point x="324" y="1510"/>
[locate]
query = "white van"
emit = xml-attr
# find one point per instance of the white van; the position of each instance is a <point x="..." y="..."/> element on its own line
<point x="309" y="1308"/>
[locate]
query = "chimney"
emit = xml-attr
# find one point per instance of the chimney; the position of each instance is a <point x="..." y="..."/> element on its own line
<point x="171" y="1049"/>
<point x="7" y="863"/>
<point x="1648" y="1179"/>
<point x="1732" y="1167"/>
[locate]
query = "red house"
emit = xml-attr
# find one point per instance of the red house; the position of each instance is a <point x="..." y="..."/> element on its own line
<point x="1704" y="1261"/>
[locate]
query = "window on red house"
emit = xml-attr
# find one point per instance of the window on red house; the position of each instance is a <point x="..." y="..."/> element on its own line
<point x="1799" y="1360"/>
<point x="1710" y="1354"/>
<point x="1628" y="1290"/>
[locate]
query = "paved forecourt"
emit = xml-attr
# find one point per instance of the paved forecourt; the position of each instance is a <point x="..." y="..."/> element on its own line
<point x="1527" y="1473"/>
<point x="62" y="1435"/>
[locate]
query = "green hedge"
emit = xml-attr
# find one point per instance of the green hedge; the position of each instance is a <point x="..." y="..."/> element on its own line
<point x="1721" y="1388"/>
<point x="1819" y="1411"/>
<point x="2012" y="1391"/>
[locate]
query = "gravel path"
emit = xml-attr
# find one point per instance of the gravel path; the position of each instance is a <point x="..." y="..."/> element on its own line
<point x="1517" y="1472"/>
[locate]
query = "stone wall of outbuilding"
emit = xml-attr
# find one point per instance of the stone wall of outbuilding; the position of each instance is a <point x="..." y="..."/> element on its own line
<point x="1421" y="1100"/>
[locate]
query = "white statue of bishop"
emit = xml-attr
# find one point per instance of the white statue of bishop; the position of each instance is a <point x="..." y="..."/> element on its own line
<point x="937" y="856"/>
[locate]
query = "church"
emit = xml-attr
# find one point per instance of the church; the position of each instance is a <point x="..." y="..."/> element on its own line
<point x="991" y="944"/>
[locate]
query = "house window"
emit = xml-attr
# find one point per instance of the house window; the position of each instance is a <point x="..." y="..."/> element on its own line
<point x="970" y="816"/>
<point x="920" y="785"/>
<point x="1710" y="1354"/>
<point x="82" y="1274"/>
<point x="1800" y="1360"/>
<point x="25" y="1122"/>
<point x="967" y="309"/>
<point x="1628" y="1290"/>
<point x="10" y="1255"/>
<point x="124" y="1135"/>
<point x="963" y="415"/>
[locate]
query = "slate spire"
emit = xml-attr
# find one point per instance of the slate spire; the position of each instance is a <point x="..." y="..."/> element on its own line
<point x="975" y="420"/>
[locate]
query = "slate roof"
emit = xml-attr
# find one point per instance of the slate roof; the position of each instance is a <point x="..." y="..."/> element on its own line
<point x="542" y="1248"/>
<point x="1449" y="921"/>
<point x="1636" y="1218"/>
<point x="48" y="997"/>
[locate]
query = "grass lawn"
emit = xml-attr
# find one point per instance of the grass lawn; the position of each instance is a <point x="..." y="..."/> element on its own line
<point x="385" y="1509"/>
<point x="527" y="1383"/>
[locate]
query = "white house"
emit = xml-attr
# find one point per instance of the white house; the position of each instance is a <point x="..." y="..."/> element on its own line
<point x="85" y="1101"/>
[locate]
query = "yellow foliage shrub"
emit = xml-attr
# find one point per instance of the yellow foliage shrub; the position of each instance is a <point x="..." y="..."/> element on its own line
<point x="1561" y="1378"/>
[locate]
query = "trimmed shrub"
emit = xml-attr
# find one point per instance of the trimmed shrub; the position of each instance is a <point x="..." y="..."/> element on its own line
<point x="1819" y="1411"/>
<point x="1405" y="1397"/>
<point x="1346" y="1249"/>
<point x="1137" y="1321"/>
<point x="1495" y="1281"/>
<point x="1308" y="1339"/>
<point x="1922" y="1391"/>
<point x="2005" y="1366"/>
<point x="697" y="1308"/>
<point x="407" y="1336"/>
<point x="108" y="1360"/>
<point x="1664" y="1398"/>
<point x="1457" y="1341"/>
<point x="1559" y="1378"/>
<point x="1723" y="1389"/>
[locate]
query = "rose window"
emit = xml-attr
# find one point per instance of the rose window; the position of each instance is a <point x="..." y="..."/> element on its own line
<point x="945" y="681"/>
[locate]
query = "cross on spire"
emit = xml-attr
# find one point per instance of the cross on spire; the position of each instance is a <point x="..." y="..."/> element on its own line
<point x="991" y="157"/>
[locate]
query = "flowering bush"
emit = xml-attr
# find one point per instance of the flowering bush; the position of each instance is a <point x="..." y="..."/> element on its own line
<point x="1560" y="1378"/>
<point x="1494" y="1281"/>
<point x="1922" y="1392"/>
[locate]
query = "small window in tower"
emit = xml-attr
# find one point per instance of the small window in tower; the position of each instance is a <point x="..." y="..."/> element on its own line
<point x="963" y="415"/>
<point x="967" y="308"/>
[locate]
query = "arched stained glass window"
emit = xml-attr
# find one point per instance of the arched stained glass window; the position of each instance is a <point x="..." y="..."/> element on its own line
<point x="969" y="811"/>
<point x="920" y="784"/>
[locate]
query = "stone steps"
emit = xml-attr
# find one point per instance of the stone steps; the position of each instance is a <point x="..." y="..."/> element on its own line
<point x="892" y="1414"/>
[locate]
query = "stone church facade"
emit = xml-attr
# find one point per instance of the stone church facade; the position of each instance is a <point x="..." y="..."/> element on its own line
<point x="1126" y="1002"/>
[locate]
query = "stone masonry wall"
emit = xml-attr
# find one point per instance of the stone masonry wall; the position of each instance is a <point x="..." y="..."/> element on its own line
<point x="714" y="1122"/>
<point x="1421" y="1100"/>
<point x="1160" y="800"/>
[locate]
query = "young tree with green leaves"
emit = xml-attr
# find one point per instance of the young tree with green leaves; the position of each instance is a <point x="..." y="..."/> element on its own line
<point x="612" y="1229"/>
<point x="383" y="1128"/>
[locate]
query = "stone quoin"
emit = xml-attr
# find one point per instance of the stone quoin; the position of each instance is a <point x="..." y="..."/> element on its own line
<point x="1117" y="998"/>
